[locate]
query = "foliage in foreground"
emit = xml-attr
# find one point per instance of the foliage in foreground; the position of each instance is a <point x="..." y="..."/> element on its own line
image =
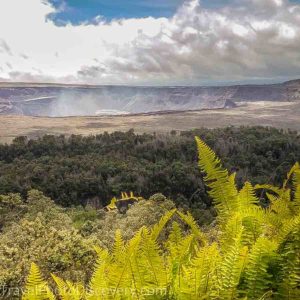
<point x="252" y="253"/>
<point x="60" y="239"/>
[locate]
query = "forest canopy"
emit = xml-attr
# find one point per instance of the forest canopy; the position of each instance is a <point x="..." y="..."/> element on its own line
<point x="90" y="170"/>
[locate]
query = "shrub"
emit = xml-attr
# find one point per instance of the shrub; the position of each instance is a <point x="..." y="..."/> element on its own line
<point x="251" y="253"/>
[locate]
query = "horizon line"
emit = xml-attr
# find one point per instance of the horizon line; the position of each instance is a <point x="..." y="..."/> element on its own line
<point x="234" y="83"/>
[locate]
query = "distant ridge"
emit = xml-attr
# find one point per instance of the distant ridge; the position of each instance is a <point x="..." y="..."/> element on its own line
<point x="292" y="82"/>
<point x="4" y="84"/>
<point x="60" y="100"/>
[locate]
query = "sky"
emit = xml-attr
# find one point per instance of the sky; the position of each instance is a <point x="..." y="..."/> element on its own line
<point x="77" y="11"/>
<point x="142" y="42"/>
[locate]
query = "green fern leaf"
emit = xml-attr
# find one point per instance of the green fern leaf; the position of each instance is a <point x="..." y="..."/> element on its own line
<point x="222" y="189"/>
<point x="157" y="228"/>
<point x="36" y="288"/>
<point x="190" y="221"/>
<point x="258" y="279"/>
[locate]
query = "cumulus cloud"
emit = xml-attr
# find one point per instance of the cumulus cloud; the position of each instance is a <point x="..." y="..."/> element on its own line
<point x="256" y="39"/>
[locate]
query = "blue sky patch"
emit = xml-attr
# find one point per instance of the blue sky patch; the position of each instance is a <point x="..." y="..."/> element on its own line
<point x="77" y="11"/>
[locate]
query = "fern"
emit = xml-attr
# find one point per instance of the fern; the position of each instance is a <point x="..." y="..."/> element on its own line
<point x="296" y="185"/>
<point x="201" y="275"/>
<point x="268" y="187"/>
<point x="153" y="261"/>
<point x="67" y="290"/>
<point x="98" y="283"/>
<point x="290" y="267"/>
<point x="36" y="288"/>
<point x="222" y="188"/>
<point x="250" y="253"/>
<point x="257" y="278"/>
<point x="177" y="262"/>
<point x="247" y="196"/>
<point x="119" y="247"/>
<point x="190" y="221"/>
<point x="232" y="266"/>
<point x="295" y="168"/>
<point x="156" y="230"/>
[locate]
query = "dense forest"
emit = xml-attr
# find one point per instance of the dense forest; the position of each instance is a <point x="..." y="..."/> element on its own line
<point x="154" y="250"/>
<point x="91" y="170"/>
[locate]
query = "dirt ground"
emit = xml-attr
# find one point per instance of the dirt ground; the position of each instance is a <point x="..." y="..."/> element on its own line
<point x="284" y="115"/>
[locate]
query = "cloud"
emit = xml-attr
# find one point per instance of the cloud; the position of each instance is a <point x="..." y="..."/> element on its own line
<point x="256" y="39"/>
<point x="9" y="65"/>
<point x="24" y="56"/>
<point x="4" y="48"/>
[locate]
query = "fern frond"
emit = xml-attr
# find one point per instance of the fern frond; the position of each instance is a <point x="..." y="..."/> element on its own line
<point x="62" y="288"/>
<point x="253" y="222"/>
<point x="258" y="279"/>
<point x="190" y="221"/>
<point x="231" y="269"/>
<point x="77" y="291"/>
<point x="289" y="250"/>
<point x="222" y="188"/>
<point x="296" y="202"/>
<point x="295" y="168"/>
<point x="296" y="187"/>
<point x="181" y="256"/>
<point x="199" y="278"/>
<point x="157" y="228"/>
<point x="268" y="187"/>
<point x="36" y="288"/>
<point x="231" y="231"/>
<point x="296" y="179"/>
<point x="288" y="227"/>
<point x="119" y="247"/>
<point x="253" y="229"/>
<point x="247" y="196"/>
<point x="136" y="272"/>
<point x="67" y="290"/>
<point x="121" y="270"/>
<point x="151" y="260"/>
<point x="231" y="179"/>
<point x="281" y="205"/>
<point x="174" y="237"/>
<point x="99" y="282"/>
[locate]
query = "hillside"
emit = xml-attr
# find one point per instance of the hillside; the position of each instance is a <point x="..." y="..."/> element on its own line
<point x="81" y="100"/>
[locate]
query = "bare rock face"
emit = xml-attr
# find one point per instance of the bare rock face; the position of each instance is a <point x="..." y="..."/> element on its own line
<point x="71" y="100"/>
<point x="293" y="90"/>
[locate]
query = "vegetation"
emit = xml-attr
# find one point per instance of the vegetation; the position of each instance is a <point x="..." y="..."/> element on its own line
<point x="59" y="239"/>
<point x="248" y="248"/>
<point x="252" y="252"/>
<point x="91" y="170"/>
